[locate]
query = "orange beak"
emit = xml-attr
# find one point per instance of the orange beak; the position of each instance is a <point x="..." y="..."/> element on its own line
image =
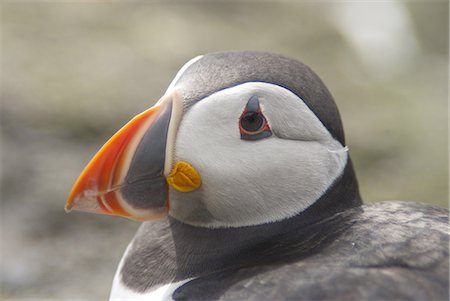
<point x="126" y="177"/>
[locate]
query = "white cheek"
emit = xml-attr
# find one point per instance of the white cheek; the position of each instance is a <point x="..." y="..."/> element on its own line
<point x="274" y="184"/>
<point x="253" y="182"/>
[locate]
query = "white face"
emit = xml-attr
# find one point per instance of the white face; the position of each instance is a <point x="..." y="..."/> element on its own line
<point x="253" y="182"/>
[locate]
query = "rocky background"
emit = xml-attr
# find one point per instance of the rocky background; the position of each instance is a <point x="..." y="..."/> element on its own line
<point x="72" y="73"/>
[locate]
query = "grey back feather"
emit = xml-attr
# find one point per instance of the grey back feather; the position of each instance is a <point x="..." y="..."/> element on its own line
<point x="391" y="251"/>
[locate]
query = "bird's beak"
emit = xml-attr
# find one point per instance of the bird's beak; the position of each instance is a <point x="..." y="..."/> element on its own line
<point x="127" y="177"/>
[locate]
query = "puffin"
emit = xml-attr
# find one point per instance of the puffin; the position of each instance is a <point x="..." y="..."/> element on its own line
<point x="243" y="182"/>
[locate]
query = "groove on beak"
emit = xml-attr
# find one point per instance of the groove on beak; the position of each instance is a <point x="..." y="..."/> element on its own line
<point x="126" y="177"/>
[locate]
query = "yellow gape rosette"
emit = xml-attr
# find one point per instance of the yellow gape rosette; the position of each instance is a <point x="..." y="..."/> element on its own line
<point x="184" y="177"/>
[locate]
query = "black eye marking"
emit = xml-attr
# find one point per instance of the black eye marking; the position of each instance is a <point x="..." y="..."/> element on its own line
<point x="252" y="123"/>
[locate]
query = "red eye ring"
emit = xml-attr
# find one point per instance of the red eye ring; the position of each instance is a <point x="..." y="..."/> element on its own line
<point x="252" y="123"/>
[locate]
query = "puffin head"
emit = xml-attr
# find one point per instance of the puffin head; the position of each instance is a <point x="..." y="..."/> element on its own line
<point x="238" y="139"/>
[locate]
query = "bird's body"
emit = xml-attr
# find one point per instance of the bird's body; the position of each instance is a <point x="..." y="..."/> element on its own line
<point x="244" y="162"/>
<point x="383" y="251"/>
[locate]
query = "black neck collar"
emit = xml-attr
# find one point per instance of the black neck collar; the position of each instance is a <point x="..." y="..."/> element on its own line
<point x="169" y="250"/>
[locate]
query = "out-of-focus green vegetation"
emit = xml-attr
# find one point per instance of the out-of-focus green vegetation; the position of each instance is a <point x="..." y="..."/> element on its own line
<point x="74" y="72"/>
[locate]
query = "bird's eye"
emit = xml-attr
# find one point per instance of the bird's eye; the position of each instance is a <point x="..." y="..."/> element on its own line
<point x="252" y="121"/>
<point x="252" y="124"/>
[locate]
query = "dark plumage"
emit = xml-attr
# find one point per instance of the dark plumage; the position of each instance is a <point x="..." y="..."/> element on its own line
<point x="386" y="251"/>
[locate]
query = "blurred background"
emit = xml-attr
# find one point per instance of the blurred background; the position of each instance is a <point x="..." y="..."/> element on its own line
<point x="74" y="72"/>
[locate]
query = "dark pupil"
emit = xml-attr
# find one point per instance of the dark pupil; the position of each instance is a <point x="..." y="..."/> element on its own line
<point x="252" y="121"/>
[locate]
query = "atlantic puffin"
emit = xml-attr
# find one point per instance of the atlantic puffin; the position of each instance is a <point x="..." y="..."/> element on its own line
<point x="243" y="181"/>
